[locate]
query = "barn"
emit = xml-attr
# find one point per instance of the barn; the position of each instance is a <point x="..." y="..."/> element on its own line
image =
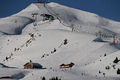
<point x="62" y="66"/>
<point x="31" y="65"/>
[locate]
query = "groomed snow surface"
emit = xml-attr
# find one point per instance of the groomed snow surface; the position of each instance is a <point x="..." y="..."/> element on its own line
<point x="24" y="37"/>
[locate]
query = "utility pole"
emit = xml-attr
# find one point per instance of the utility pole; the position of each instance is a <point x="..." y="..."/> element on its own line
<point x="34" y="15"/>
<point x="72" y="26"/>
<point x="100" y="35"/>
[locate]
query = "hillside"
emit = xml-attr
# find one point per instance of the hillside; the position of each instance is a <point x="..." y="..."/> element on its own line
<point x="70" y="37"/>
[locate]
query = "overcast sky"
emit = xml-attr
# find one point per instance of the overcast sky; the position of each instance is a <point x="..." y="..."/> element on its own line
<point x="105" y="8"/>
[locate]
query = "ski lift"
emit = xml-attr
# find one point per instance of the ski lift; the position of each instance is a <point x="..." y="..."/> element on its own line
<point x="34" y="15"/>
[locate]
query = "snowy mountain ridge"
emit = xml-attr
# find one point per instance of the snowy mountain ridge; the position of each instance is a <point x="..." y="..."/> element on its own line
<point x="70" y="37"/>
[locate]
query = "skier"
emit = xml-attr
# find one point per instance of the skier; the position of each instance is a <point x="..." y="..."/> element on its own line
<point x="65" y="41"/>
<point x="114" y="39"/>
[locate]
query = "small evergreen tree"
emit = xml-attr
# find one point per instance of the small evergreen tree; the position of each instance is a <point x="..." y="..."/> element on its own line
<point x="65" y="41"/>
<point x="105" y="54"/>
<point x="113" y="66"/>
<point x="118" y="71"/>
<point x="107" y="67"/>
<point x="99" y="72"/>
<point x="43" y="78"/>
<point x="56" y="78"/>
<point x="104" y="74"/>
<point x="6" y="58"/>
<point x="116" y="60"/>
<point x="54" y="50"/>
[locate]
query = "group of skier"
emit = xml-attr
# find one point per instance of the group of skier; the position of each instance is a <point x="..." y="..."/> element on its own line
<point x="114" y="37"/>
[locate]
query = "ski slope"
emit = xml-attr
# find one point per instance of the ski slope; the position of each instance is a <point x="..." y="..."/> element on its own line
<point x="90" y="55"/>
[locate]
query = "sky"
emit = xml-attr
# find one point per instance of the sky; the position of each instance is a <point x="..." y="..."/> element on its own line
<point x="106" y="8"/>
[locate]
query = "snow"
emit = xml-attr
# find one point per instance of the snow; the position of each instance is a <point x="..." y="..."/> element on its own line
<point x="43" y="43"/>
<point x="13" y="25"/>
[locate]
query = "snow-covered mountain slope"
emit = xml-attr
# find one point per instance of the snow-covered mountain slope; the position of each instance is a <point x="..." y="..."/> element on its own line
<point x="13" y="25"/>
<point x="70" y="37"/>
<point x="83" y="21"/>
